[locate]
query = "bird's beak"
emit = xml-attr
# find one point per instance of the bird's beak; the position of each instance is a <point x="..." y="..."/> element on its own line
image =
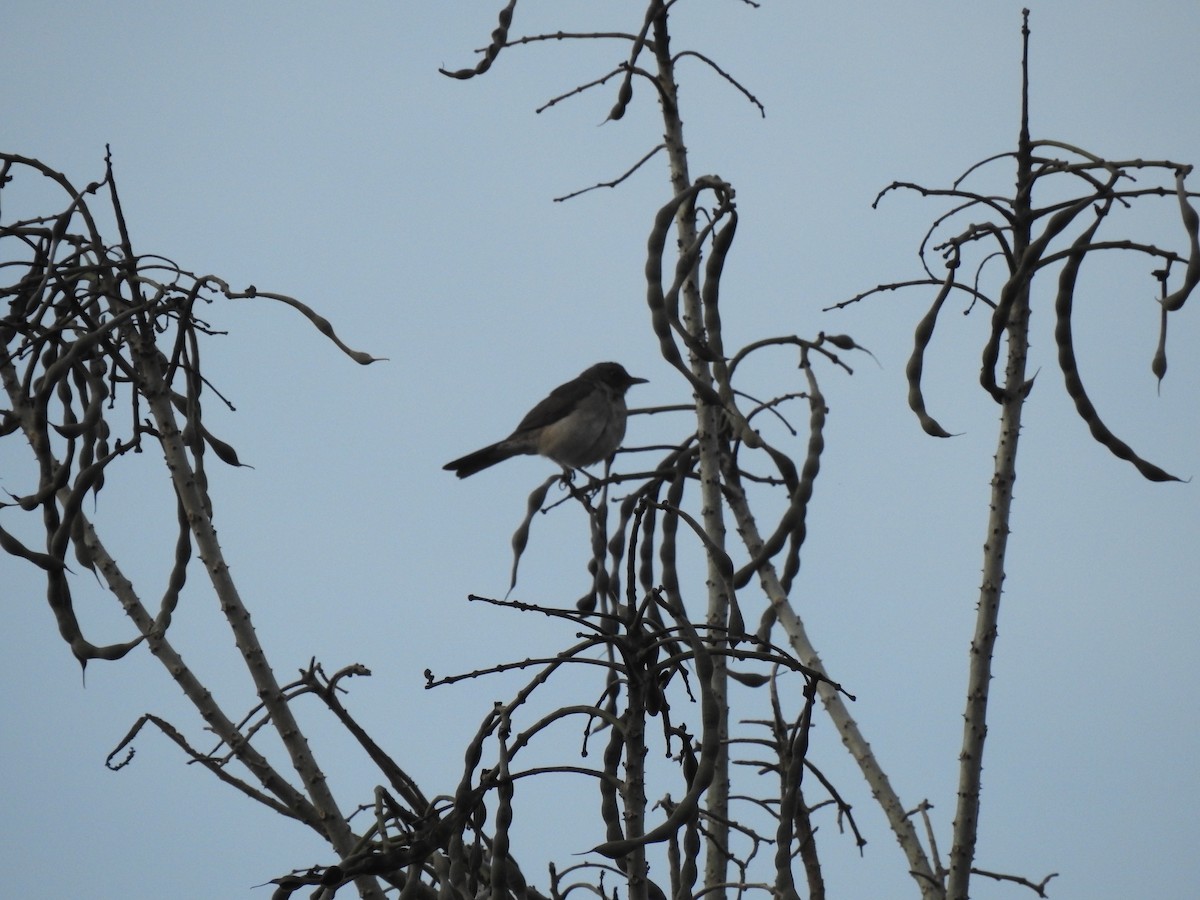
<point x="633" y="380"/>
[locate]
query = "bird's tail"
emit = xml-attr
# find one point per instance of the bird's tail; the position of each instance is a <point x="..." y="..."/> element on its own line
<point x="468" y="465"/>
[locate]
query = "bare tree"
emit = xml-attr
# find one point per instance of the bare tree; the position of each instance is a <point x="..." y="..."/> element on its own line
<point x="101" y="357"/>
<point x="1026" y="240"/>
<point x="90" y="322"/>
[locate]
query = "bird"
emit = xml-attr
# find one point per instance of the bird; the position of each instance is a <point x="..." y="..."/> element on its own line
<point x="579" y="423"/>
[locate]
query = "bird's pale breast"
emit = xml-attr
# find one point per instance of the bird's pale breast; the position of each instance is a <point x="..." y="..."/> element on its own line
<point x="590" y="433"/>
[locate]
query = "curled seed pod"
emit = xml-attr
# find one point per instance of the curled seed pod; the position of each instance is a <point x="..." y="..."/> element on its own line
<point x="1018" y="285"/>
<point x="14" y="547"/>
<point x="624" y="95"/>
<point x="645" y="559"/>
<point x="1158" y="365"/>
<point x="660" y="319"/>
<point x="845" y="342"/>
<point x="1063" y="337"/>
<point x="991" y="350"/>
<point x="224" y="451"/>
<point x="1191" y="222"/>
<point x="749" y="679"/>
<point x="765" y="623"/>
<point x="321" y="324"/>
<point x="793" y="523"/>
<point x="499" y="39"/>
<point x="84" y="554"/>
<point x="710" y="293"/>
<point x="610" y="808"/>
<point x="178" y="577"/>
<point x="520" y="537"/>
<point x="670" y="533"/>
<point x="689" y="873"/>
<point x="85" y="482"/>
<point x="687" y="756"/>
<point x="500" y="839"/>
<point x="916" y="362"/>
<point x="660" y="315"/>
<point x="97" y="393"/>
<point x="47" y="489"/>
<point x="841" y="341"/>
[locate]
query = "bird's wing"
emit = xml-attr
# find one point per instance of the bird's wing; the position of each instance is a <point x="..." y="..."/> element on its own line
<point x="562" y="400"/>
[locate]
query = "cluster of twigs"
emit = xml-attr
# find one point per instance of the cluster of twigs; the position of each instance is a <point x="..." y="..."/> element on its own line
<point x="89" y="324"/>
<point x="1027" y="240"/>
<point x="100" y="355"/>
<point x="685" y="319"/>
<point x="1026" y="250"/>
<point x="646" y="653"/>
<point x="714" y="465"/>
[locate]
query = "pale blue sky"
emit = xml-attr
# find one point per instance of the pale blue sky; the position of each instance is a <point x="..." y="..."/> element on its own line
<point x="313" y="149"/>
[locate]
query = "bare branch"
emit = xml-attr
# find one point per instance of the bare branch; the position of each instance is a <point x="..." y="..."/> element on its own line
<point x="737" y="84"/>
<point x="616" y="181"/>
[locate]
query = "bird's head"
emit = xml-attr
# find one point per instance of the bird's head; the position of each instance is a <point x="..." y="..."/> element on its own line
<point x="613" y="375"/>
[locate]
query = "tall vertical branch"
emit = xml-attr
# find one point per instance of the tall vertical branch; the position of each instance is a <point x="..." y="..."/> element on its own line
<point x="708" y="442"/>
<point x="687" y="313"/>
<point x="1025" y="234"/>
<point x="995" y="545"/>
